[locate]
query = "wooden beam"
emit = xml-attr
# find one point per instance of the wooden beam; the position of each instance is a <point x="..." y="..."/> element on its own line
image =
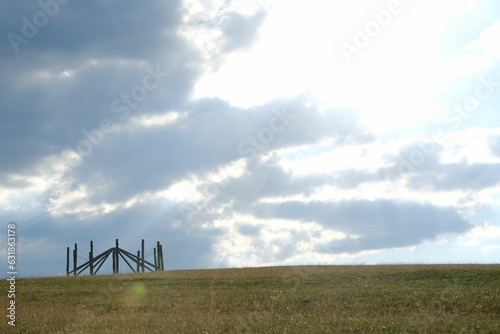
<point x="67" y="261"/>
<point x="75" y="254"/>
<point x="154" y="256"/>
<point x="101" y="261"/>
<point x="117" y="259"/>
<point x="142" y="255"/>
<point x="91" y="257"/>
<point x="161" y="258"/>
<point x="124" y="259"/>
<point x="137" y="261"/>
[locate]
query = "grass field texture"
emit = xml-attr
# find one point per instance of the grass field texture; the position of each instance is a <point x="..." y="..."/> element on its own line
<point x="306" y="299"/>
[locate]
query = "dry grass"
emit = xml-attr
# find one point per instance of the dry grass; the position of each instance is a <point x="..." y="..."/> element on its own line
<point x="312" y="299"/>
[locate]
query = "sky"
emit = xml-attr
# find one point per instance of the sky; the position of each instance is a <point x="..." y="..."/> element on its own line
<point x="250" y="133"/>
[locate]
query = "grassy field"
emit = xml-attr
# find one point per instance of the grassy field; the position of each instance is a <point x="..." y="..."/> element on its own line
<point x="311" y="299"/>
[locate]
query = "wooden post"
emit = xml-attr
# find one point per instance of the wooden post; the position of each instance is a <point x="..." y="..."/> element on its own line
<point x="67" y="261"/>
<point x="161" y="258"/>
<point x="158" y="255"/>
<point x="117" y="259"/>
<point x="138" y="261"/>
<point x="154" y="256"/>
<point x="91" y="258"/>
<point x="142" y="255"/>
<point x="75" y="259"/>
<point x="114" y="260"/>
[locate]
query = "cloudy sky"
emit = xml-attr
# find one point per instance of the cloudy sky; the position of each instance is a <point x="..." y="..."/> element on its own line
<point x="251" y="133"/>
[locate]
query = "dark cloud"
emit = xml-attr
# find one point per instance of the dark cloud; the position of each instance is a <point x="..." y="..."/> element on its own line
<point x="8" y="181"/>
<point x="212" y="135"/>
<point x="415" y="158"/>
<point x="419" y="164"/>
<point x="117" y="28"/>
<point x="268" y="179"/>
<point x="240" y="31"/>
<point x="418" y="159"/>
<point x="350" y="179"/>
<point x="45" y="110"/>
<point x="456" y="176"/>
<point x="371" y="224"/>
<point x="64" y="90"/>
<point x="249" y="230"/>
<point x="238" y="193"/>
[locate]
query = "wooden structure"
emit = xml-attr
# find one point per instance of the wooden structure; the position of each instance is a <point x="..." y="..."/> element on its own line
<point x="95" y="262"/>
